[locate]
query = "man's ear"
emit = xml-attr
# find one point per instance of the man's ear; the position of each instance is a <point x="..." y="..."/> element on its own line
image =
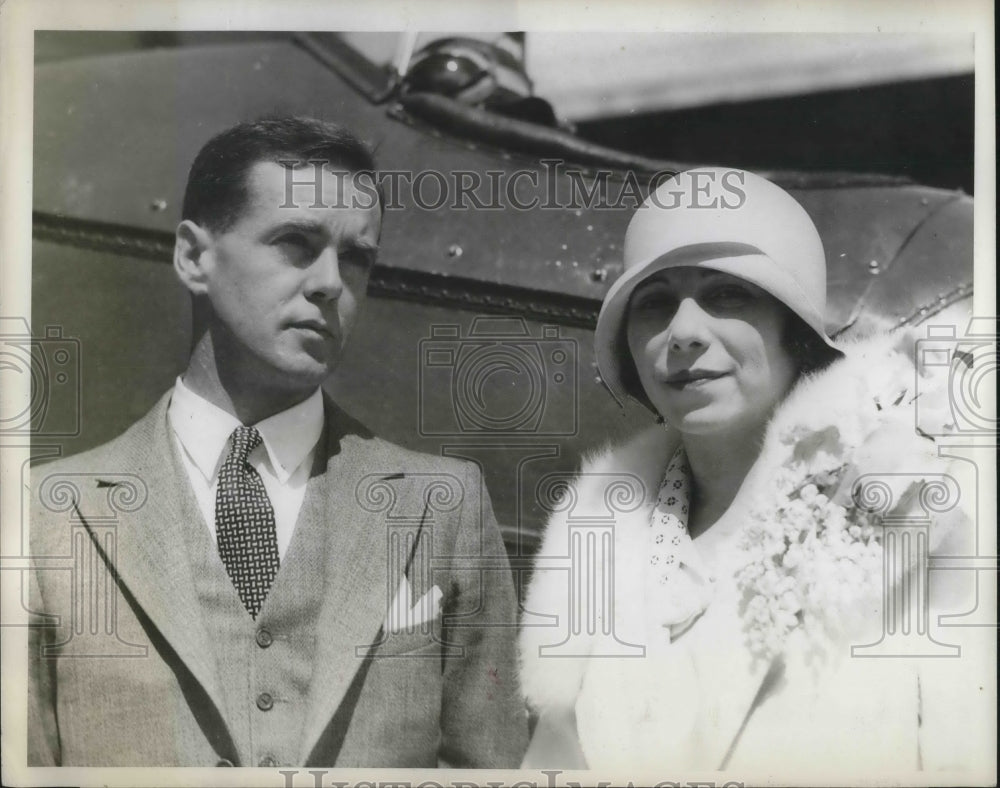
<point x="192" y="250"/>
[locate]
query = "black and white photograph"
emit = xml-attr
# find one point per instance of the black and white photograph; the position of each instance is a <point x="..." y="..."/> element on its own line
<point x="425" y="395"/>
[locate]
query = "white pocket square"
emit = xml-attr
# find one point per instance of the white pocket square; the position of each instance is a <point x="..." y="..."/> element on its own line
<point x="404" y="616"/>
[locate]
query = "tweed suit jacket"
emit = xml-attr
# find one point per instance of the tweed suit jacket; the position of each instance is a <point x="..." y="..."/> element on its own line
<point x="122" y="666"/>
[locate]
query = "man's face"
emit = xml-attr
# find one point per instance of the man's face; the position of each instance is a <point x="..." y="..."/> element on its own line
<point x="285" y="283"/>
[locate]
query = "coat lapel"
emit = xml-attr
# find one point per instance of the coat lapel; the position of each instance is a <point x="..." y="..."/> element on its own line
<point x="748" y="684"/>
<point x="151" y="559"/>
<point x="355" y="566"/>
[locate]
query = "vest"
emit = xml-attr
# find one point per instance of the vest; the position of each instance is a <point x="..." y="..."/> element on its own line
<point x="265" y="666"/>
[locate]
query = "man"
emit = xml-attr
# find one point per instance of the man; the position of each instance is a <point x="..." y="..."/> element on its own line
<point x="265" y="613"/>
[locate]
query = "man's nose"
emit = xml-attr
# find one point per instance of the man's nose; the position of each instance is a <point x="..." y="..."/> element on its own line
<point x="324" y="282"/>
<point x="688" y="328"/>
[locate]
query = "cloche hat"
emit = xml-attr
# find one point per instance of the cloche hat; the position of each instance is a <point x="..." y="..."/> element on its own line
<point x="727" y="220"/>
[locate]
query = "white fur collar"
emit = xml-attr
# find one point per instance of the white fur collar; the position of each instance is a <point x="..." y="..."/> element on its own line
<point x="848" y="397"/>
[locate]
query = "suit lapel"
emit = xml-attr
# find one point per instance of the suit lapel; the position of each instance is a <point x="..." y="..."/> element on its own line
<point x="151" y="558"/>
<point x="355" y="569"/>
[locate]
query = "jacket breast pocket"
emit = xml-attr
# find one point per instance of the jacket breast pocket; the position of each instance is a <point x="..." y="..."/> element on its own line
<point x="419" y="643"/>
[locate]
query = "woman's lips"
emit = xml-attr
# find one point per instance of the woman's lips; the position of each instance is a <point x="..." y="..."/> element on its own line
<point x="692" y="378"/>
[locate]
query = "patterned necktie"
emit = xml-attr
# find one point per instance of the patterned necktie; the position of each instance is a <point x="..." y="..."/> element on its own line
<point x="668" y="520"/>
<point x="678" y="589"/>
<point x="244" y="523"/>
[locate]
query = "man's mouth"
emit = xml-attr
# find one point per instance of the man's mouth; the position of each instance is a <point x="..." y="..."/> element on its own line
<point x="692" y="377"/>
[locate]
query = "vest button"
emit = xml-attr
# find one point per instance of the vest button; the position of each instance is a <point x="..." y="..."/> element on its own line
<point x="224" y="762"/>
<point x="264" y="638"/>
<point x="265" y="702"/>
<point x="267" y="762"/>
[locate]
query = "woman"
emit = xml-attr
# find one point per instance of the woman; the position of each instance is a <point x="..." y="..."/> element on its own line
<point x="751" y="561"/>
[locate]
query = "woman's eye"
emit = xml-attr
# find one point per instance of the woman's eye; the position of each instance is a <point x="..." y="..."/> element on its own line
<point x="729" y="296"/>
<point x="654" y="302"/>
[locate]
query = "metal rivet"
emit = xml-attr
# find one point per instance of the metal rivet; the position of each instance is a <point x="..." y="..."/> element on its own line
<point x="454" y="250"/>
<point x="158" y="205"/>
<point x="564" y="247"/>
<point x="599" y="275"/>
<point x="590" y="227"/>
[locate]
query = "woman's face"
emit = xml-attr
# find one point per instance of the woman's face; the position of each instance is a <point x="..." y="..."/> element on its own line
<point x="708" y="349"/>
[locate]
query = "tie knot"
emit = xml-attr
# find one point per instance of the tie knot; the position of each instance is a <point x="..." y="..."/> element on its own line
<point x="244" y="440"/>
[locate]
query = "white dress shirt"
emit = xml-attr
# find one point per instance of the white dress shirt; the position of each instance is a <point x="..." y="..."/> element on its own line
<point x="283" y="460"/>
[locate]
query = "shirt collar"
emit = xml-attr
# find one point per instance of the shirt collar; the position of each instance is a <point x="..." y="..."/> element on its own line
<point x="290" y="435"/>
<point x="204" y="429"/>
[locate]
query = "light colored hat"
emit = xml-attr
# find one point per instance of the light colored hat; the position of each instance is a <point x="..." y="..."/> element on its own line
<point x="727" y="220"/>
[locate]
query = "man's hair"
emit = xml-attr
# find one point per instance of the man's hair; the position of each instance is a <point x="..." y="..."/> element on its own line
<point x="216" y="191"/>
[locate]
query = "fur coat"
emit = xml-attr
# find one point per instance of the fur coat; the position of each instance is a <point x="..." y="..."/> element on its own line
<point x="704" y="701"/>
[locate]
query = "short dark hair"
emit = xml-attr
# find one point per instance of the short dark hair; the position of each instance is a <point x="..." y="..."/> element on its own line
<point x="806" y="349"/>
<point x="216" y="191"/>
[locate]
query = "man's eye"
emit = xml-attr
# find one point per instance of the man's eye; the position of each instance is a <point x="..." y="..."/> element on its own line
<point x="295" y="240"/>
<point x="356" y="256"/>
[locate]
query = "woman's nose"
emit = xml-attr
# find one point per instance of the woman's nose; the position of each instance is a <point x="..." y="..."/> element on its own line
<point x="324" y="276"/>
<point x="688" y="327"/>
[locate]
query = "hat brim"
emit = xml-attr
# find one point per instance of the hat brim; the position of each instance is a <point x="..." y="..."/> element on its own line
<point x="742" y="261"/>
